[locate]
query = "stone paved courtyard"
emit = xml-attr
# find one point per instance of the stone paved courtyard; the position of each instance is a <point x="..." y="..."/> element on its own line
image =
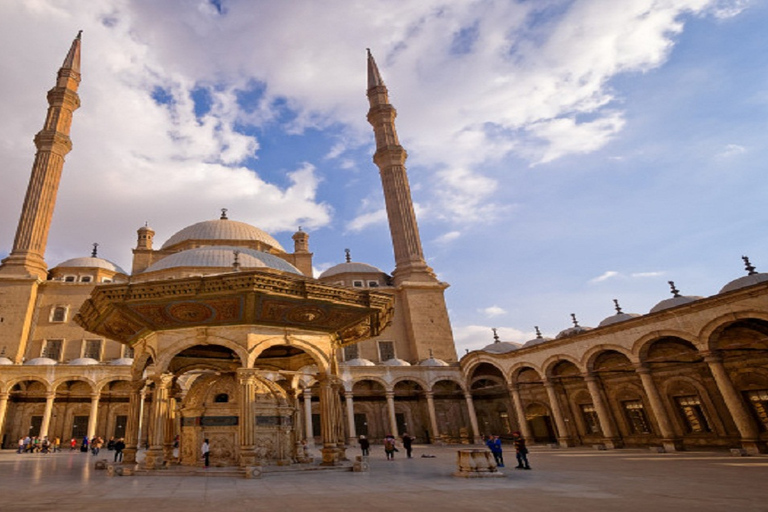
<point x="576" y="479"/>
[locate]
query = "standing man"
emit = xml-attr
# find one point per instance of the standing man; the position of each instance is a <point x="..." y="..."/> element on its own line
<point x="408" y="444"/>
<point x="521" y="451"/>
<point x="119" y="447"/>
<point x="206" y="449"/>
<point x="494" y="444"/>
<point x="365" y="445"/>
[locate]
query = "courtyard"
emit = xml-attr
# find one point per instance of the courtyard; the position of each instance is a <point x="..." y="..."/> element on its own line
<point x="573" y="479"/>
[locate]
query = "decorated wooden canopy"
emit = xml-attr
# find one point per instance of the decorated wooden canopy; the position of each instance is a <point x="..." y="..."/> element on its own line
<point x="126" y="312"/>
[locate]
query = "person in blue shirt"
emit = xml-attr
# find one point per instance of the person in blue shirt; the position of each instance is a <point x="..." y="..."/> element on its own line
<point x="494" y="444"/>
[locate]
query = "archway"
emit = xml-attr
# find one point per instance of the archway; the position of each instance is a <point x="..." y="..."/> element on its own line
<point x="492" y="402"/>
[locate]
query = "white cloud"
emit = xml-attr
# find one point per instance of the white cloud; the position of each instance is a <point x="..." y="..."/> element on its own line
<point x="492" y="311"/>
<point x="731" y="150"/>
<point x="364" y="220"/>
<point x="725" y="9"/>
<point x="447" y="238"/>
<point x="647" y="274"/>
<point x="610" y="274"/>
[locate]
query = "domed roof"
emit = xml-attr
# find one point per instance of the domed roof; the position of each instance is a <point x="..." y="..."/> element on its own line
<point x="222" y="229"/>
<point x="121" y="361"/>
<point x="572" y="331"/>
<point x="219" y="256"/>
<point x="40" y="361"/>
<point x="676" y="300"/>
<point x="5" y="361"/>
<point x="91" y="262"/>
<point x="83" y="361"/>
<point x="620" y="316"/>
<point x="501" y="347"/>
<point x="359" y="362"/>
<point x="351" y="267"/>
<point x="396" y="362"/>
<point x="751" y="278"/>
<point x="537" y="340"/>
<point x="433" y="362"/>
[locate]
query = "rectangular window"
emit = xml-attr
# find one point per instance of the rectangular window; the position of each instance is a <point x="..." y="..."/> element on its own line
<point x="386" y="350"/>
<point x="85" y="279"/>
<point x="758" y="400"/>
<point x="92" y="349"/>
<point x="53" y="349"/>
<point x="351" y="352"/>
<point x="693" y="414"/>
<point x="636" y="418"/>
<point x="59" y="314"/>
<point x="591" y="420"/>
<point x="357" y="284"/>
<point x="127" y="351"/>
<point x="69" y="279"/>
<point x="106" y="280"/>
<point x="373" y="284"/>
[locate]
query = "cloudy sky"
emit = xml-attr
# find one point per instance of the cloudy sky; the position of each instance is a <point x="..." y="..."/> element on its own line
<point x="562" y="153"/>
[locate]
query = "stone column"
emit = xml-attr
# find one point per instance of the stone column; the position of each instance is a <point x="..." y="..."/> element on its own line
<point x="391" y="413"/>
<point x="611" y="439"/>
<point x="160" y="404"/>
<point x="328" y="422"/>
<point x="432" y="416"/>
<point x="563" y="437"/>
<point x="349" y="397"/>
<point x="750" y="435"/>
<point x="476" y="437"/>
<point x="3" y="410"/>
<point x="47" y="414"/>
<point x="94" y="416"/>
<point x="668" y="438"/>
<point x="132" y="427"/>
<point x="308" y="430"/>
<point x="142" y="414"/>
<point x="247" y="424"/>
<point x="522" y="422"/>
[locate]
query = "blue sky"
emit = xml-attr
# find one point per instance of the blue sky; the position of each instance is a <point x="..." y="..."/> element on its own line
<point x="561" y="153"/>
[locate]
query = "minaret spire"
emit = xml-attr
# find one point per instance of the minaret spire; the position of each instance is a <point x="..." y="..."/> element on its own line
<point x="390" y="158"/>
<point x="53" y="143"/>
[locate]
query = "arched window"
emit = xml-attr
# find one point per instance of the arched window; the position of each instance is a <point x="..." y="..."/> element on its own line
<point x="221" y="398"/>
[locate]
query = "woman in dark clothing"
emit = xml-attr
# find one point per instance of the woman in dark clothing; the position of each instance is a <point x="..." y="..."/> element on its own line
<point x="364" y="445"/>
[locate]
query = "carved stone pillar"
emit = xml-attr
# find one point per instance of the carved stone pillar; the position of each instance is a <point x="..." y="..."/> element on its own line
<point x="391" y="413"/>
<point x="563" y="437"/>
<point x="247" y="423"/>
<point x="668" y="438"/>
<point x="522" y="422"/>
<point x="49" y="397"/>
<point x="476" y="437"/>
<point x="3" y="411"/>
<point x="432" y="416"/>
<point x="750" y="435"/>
<point x="169" y="432"/>
<point x="308" y="430"/>
<point x="132" y="427"/>
<point x="160" y="408"/>
<point x="351" y="417"/>
<point x="610" y="438"/>
<point x="328" y="422"/>
<point x="94" y="416"/>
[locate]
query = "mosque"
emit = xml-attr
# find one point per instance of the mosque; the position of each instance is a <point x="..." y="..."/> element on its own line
<point x="221" y="333"/>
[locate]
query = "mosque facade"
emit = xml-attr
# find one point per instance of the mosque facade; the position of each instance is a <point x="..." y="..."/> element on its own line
<point x="221" y="333"/>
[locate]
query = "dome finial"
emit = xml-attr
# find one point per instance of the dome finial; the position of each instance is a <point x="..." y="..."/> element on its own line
<point x="223" y="214"/>
<point x="538" y="332"/>
<point x="575" y="322"/>
<point x="95" y="251"/>
<point x="748" y="266"/>
<point x="675" y="291"/>
<point x="616" y="305"/>
<point x="495" y="335"/>
<point x="347" y="252"/>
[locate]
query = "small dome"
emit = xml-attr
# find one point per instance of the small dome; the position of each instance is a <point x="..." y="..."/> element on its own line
<point x="537" y="340"/>
<point x="122" y="361"/>
<point x="433" y="362"/>
<point x="572" y="331"/>
<point x="501" y="347"/>
<point x="351" y="267"/>
<point x="396" y="362"/>
<point x="222" y="229"/>
<point x="40" y="361"/>
<point x="5" y="361"/>
<point x="91" y="262"/>
<point x="359" y="362"/>
<point x="744" y="281"/>
<point x="620" y="316"/>
<point x="83" y="361"/>
<point x="222" y="257"/>
<point x="676" y="300"/>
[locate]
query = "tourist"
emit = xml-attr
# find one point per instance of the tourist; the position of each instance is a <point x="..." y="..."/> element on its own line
<point x="119" y="447"/>
<point x="206" y="449"/>
<point x="111" y="444"/>
<point x="408" y="444"/>
<point x="365" y="445"/>
<point x="389" y="446"/>
<point x="46" y="445"/>
<point x="56" y="444"/>
<point x="72" y="444"/>
<point x="521" y="451"/>
<point x="21" y="445"/>
<point x="494" y="444"/>
<point x="84" y="445"/>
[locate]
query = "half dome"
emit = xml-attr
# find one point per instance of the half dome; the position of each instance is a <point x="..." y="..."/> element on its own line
<point x="5" y="361"/>
<point x="358" y="361"/>
<point x="501" y="347"/>
<point x="537" y="340"/>
<point x="744" y="281"/>
<point x="121" y="361"/>
<point x="91" y="262"/>
<point x="222" y="229"/>
<point x="351" y="267"/>
<point x="396" y="362"/>
<point x="433" y="362"/>
<point x="83" y="361"/>
<point x="618" y="317"/>
<point x="222" y="257"/>
<point x="40" y="361"/>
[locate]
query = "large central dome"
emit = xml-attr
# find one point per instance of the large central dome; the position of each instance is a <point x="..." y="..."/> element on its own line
<point x="222" y="230"/>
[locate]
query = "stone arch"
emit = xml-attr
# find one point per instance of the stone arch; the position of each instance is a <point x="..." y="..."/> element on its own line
<point x="591" y="355"/>
<point x="738" y="335"/>
<point x="447" y="378"/>
<point x="749" y="379"/>
<point x="101" y="384"/>
<point x="710" y="330"/>
<point x="321" y="359"/>
<point x="164" y="360"/>
<point x="640" y="347"/>
<point x="668" y="349"/>
<point x="381" y="382"/>
<point x="63" y="380"/>
<point x="29" y="378"/>
<point x="610" y="360"/>
<point x="471" y="368"/>
<point x="424" y="386"/>
<point x="552" y="362"/>
<point x="527" y="369"/>
<point x="140" y="363"/>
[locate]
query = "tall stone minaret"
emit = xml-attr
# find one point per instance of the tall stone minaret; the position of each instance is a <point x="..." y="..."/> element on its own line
<point x="420" y="299"/>
<point x="27" y="257"/>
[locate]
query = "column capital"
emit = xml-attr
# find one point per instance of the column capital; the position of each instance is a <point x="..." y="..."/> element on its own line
<point x="50" y="395"/>
<point x="390" y="393"/>
<point x="429" y="394"/>
<point x="642" y="368"/>
<point x="712" y="357"/>
<point x="349" y="395"/>
<point x="589" y="377"/>
<point x="4" y="395"/>
<point x="95" y="395"/>
<point x="307" y="390"/>
<point x="163" y="380"/>
<point x="246" y="376"/>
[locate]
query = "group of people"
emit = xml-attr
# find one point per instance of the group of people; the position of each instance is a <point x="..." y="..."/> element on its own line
<point x="390" y="446"/>
<point x="37" y="444"/>
<point x="521" y="451"/>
